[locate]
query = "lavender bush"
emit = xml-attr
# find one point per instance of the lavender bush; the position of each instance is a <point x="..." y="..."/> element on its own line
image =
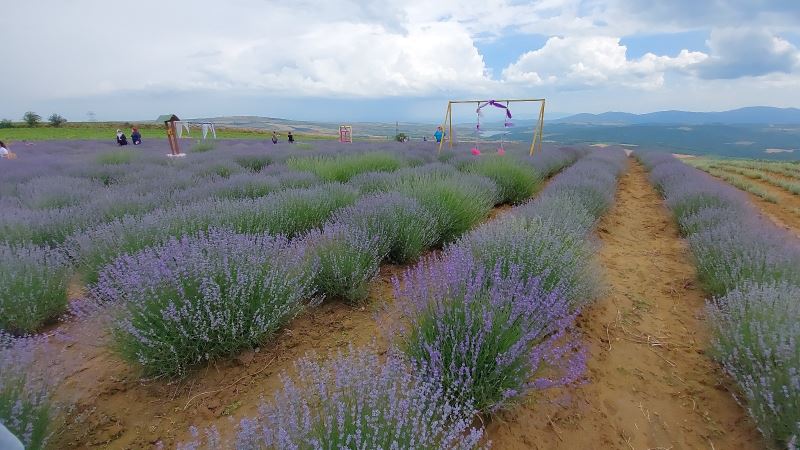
<point x="194" y="299"/>
<point x="343" y="167"/>
<point x="549" y="161"/>
<point x="355" y="401"/>
<point x="458" y="204"/>
<point x="254" y="163"/>
<point x="486" y="346"/>
<point x="756" y="338"/>
<point x="516" y="178"/>
<point x="54" y="192"/>
<point x="729" y="255"/>
<point x="753" y="268"/>
<point x="26" y="405"/>
<point x="290" y="213"/>
<point x="349" y="257"/>
<point x="534" y="248"/>
<point x="33" y="286"/>
<point x="405" y="229"/>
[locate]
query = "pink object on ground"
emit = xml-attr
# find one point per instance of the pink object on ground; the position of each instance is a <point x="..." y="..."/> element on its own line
<point x="501" y="151"/>
<point x="476" y="152"/>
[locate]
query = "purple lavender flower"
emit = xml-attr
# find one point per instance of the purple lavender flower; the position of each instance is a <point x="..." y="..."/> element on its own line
<point x="404" y="228"/>
<point x="33" y="286"/>
<point x="486" y="346"/>
<point x="26" y="405"/>
<point x="535" y="248"/>
<point x="756" y="331"/>
<point x="195" y="299"/>
<point x="354" y="400"/>
<point x="348" y="257"/>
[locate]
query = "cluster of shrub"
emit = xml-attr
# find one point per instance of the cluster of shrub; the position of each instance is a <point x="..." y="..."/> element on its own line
<point x="752" y="269"/>
<point x="32" y="119"/>
<point x="473" y="329"/>
<point x="226" y="250"/>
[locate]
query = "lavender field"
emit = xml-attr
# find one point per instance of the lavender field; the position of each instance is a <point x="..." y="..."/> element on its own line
<point x="188" y="261"/>
<point x="183" y="267"/>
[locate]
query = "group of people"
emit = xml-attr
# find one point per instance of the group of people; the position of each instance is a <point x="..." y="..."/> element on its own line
<point x="289" y="136"/>
<point x="136" y="137"/>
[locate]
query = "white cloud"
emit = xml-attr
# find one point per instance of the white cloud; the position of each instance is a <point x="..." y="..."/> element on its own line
<point x="576" y="62"/>
<point x="196" y="49"/>
<point x="738" y="52"/>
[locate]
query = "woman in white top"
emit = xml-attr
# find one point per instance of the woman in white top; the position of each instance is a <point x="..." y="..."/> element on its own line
<point x="3" y="150"/>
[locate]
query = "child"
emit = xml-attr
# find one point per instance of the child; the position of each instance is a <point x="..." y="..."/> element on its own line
<point x="136" y="137"/>
<point x="275" y="137"/>
<point x="121" y="139"/>
<point x="291" y="138"/>
<point x="4" y="153"/>
<point x="438" y="134"/>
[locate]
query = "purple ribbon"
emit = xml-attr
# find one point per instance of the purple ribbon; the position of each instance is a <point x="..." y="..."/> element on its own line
<point x="496" y="105"/>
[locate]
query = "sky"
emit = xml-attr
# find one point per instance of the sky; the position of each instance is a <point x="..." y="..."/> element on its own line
<point x="393" y="60"/>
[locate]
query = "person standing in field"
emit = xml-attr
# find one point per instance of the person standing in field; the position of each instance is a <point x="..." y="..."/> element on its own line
<point x="136" y="137"/>
<point x="438" y="135"/>
<point x="275" y="137"/>
<point x="291" y="138"/>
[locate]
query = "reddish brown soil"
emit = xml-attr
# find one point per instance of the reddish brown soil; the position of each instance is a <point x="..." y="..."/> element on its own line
<point x="785" y="213"/>
<point x="650" y="384"/>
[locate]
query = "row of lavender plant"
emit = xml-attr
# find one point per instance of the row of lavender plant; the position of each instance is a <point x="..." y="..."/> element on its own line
<point x="158" y="320"/>
<point x="489" y="318"/>
<point x="190" y="299"/>
<point x="174" y="303"/>
<point x="249" y="208"/>
<point x="752" y="270"/>
<point x="473" y="337"/>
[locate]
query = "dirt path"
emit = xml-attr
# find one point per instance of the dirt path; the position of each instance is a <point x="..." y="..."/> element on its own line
<point x="650" y="385"/>
<point x="785" y="213"/>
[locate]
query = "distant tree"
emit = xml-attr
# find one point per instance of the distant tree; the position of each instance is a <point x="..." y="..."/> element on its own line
<point x="400" y="137"/>
<point x="5" y="123"/>
<point x="56" y="120"/>
<point x="31" y="118"/>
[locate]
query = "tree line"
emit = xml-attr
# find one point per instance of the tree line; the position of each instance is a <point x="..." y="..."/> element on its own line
<point x="32" y="119"/>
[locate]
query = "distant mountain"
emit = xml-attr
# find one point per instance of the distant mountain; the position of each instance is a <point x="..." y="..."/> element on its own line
<point x="751" y="115"/>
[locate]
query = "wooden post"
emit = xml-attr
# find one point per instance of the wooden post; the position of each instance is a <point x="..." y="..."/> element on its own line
<point x="172" y="137"/>
<point x="444" y="126"/>
<point x="450" y="116"/>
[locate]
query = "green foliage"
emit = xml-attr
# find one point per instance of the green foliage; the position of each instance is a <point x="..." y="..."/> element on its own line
<point x="33" y="287"/>
<point x="517" y="180"/>
<point x="400" y="137"/>
<point x="348" y="259"/>
<point x="115" y="157"/>
<point x="25" y="413"/>
<point x="254" y="162"/>
<point x="202" y="146"/>
<point x="31" y="118"/>
<point x="456" y="205"/>
<point x="343" y="167"/>
<point x="5" y="123"/>
<point x="56" y="120"/>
